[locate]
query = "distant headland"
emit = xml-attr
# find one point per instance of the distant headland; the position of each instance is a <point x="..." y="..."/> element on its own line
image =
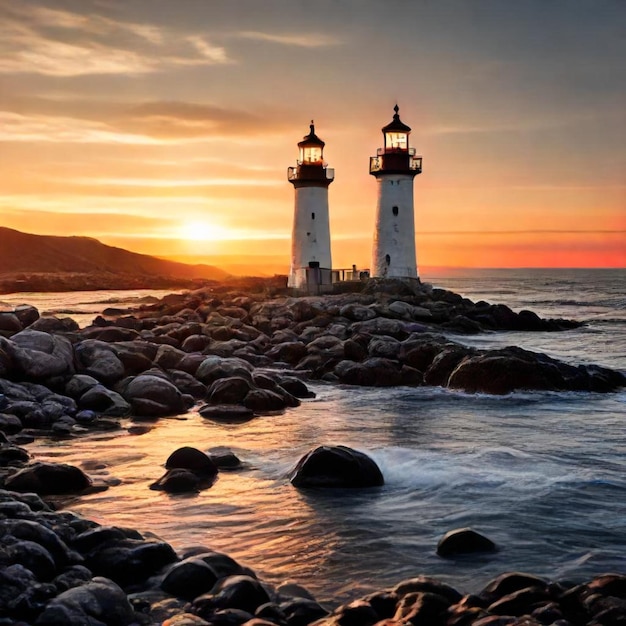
<point x="44" y="263"/>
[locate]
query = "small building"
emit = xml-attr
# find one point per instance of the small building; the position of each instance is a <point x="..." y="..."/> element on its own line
<point x="311" y="262"/>
<point x="395" y="166"/>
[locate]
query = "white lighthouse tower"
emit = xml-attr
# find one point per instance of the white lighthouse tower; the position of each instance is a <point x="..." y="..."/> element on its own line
<point x="394" y="166"/>
<point x="310" y="240"/>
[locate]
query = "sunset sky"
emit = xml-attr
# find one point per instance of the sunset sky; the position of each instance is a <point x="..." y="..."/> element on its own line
<point x="167" y="126"/>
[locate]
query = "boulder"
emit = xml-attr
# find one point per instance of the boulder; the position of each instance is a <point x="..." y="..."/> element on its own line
<point x="214" y="367"/>
<point x="189" y="578"/>
<point x="98" y="359"/>
<point x="500" y="372"/>
<point x="231" y="390"/>
<point x="53" y="324"/>
<point x="191" y="459"/>
<point x="130" y="561"/>
<point x="9" y="323"/>
<point x="226" y="412"/>
<point x="336" y="466"/>
<point x="153" y="396"/>
<point x="104" y="401"/>
<point x="188" y="469"/>
<point x="49" y="479"/>
<point x="265" y="401"/>
<point x="233" y="592"/>
<point x="27" y="314"/>
<point x="37" y="355"/>
<point x="97" y="602"/>
<point x="464" y="541"/>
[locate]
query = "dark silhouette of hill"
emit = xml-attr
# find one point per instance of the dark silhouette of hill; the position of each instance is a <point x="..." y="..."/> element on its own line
<point x="89" y="263"/>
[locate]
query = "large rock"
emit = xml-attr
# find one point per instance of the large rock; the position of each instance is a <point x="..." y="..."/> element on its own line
<point x="233" y="592"/>
<point x="464" y="541"/>
<point x="231" y="390"/>
<point x="188" y="469"/>
<point x="37" y="355"/>
<point x="98" y="359"/>
<point x="214" y="367"/>
<point x="97" y="602"/>
<point x="336" y="466"/>
<point x="153" y="396"/>
<point x="48" y="479"/>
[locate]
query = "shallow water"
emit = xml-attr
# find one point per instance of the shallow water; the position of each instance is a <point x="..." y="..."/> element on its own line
<point x="542" y="474"/>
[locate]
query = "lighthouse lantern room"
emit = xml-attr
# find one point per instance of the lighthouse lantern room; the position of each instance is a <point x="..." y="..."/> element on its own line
<point x="395" y="166"/>
<point x="310" y="240"/>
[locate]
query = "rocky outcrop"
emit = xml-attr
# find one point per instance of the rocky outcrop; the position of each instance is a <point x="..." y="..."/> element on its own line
<point x="212" y="346"/>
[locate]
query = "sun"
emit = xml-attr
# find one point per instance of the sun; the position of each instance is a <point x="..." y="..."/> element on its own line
<point x="201" y="231"/>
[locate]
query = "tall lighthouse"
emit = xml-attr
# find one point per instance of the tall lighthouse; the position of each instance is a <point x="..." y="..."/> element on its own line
<point x="395" y="166"/>
<point x="310" y="239"/>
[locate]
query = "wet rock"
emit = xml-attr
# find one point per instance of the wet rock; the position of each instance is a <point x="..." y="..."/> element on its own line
<point x="233" y="592"/>
<point x="98" y="359"/>
<point x="130" y="562"/>
<point x="153" y="396"/>
<point x="265" y="401"/>
<point x="37" y="355"/>
<point x="188" y="470"/>
<point x="12" y="455"/>
<point x="510" y="582"/>
<point x="464" y="541"/>
<point x="189" y="578"/>
<point x="48" y="479"/>
<point x="10" y="424"/>
<point x="226" y="412"/>
<point x="501" y="373"/>
<point x="231" y="390"/>
<point x="26" y="314"/>
<point x="224" y="458"/>
<point x="214" y="367"/>
<point x="373" y="372"/>
<point x="104" y="401"/>
<point x="29" y="554"/>
<point x="296" y="387"/>
<point x="31" y="530"/>
<point x="9" y="323"/>
<point x="99" y="601"/>
<point x="336" y="466"/>
<point x="192" y="459"/>
<point x="444" y="363"/>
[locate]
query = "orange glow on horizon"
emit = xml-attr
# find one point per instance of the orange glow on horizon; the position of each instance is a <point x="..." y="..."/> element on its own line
<point x="172" y="137"/>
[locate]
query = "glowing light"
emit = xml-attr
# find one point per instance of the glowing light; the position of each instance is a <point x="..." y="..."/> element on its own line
<point x="202" y="231"/>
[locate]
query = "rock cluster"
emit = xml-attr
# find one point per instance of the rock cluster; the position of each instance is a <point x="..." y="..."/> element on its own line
<point x="235" y="355"/>
<point x="57" y="568"/>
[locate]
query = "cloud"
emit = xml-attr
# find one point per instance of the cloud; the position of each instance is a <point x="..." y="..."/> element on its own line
<point x="157" y="122"/>
<point x="40" y="40"/>
<point x="304" y="40"/>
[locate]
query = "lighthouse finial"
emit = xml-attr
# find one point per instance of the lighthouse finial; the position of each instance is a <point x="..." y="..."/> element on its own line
<point x="396" y="109"/>
<point x="312" y="126"/>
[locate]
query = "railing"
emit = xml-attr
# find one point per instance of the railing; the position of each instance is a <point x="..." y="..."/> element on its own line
<point x="293" y="173"/>
<point x="377" y="164"/>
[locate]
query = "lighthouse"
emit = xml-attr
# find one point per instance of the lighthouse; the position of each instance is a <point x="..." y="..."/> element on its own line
<point x="310" y="239"/>
<point x="395" y="166"/>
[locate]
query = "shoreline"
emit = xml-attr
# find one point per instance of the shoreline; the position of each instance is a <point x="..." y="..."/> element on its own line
<point x="83" y="573"/>
<point x="211" y="345"/>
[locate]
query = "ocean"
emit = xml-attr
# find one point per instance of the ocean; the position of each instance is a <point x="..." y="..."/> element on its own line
<point x="542" y="474"/>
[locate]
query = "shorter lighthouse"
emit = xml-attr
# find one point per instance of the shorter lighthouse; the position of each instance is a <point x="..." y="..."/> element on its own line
<point x="310" y="240"/>
<point x="395" y="166"/>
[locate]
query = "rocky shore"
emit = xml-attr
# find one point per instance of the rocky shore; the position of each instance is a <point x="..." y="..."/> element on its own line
<point x="235" y="354"/>
<point x="58" y="569"/>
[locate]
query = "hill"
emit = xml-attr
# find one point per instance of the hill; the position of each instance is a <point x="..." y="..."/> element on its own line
<point x="30" y="262"/>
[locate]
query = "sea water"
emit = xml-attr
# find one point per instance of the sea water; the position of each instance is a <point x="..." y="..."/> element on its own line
<point x="543" y="474"/>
